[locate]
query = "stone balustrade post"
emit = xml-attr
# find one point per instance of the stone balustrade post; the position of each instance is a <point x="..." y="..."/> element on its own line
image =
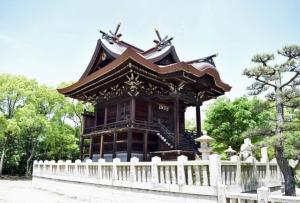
<point x="133" y="162"/>
<point x="115" y="169"/>
<point x="215" y="170"/>
<point x="264" y="154"/>
<point x="154" y="168"/>
<point x="263" y="194"/>
<point x="59" y="164"/>
<point x="45" y="171"/>
<point x="38" y="172"/>
<point x="52" y="164"/>
<point x="100" y="173"/>
<point x="180" y="170"/>
<point x="221" y="193"/>
<point x="67" y="172"/>
<point x="77" y="162"/>
<point x="238" y="171"/>
<point x="40" y="168"/>
<point x="35" y="167"/>
<point x="268" y="171"/>
<point x="86" y="170"/>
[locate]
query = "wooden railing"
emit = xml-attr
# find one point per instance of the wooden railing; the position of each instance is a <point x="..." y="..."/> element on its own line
<point x="122" y="124"/>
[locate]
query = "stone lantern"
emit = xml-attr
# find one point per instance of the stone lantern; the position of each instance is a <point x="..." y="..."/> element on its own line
<point x="205" y="148"/>
<point x="230" y="152"/>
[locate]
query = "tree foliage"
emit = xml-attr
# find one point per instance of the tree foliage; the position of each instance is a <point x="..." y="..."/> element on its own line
<point x="227" y="120"/>
<point x="35" y="123"/>
<point x="280" y="82"/>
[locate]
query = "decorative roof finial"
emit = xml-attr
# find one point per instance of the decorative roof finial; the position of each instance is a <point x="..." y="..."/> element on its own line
<point x="161" y="43"/>
<point x="111" y="36"/>
<point x="209" y="59"/>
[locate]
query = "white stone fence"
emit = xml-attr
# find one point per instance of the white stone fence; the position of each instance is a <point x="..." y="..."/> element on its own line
<point x="263" y="195"/>
<point x="183" y="176"/>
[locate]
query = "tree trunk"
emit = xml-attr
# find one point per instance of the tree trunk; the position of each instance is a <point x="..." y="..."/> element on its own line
<point x="2" y="160"/>
<point x="287" y="171"/>
<point x="29" y="162"/>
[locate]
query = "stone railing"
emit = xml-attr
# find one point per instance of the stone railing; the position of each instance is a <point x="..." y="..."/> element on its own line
<point x="263" y="195"/>
<point x="174" y="176"/>
<point x="250" y="175"/>
<point x="183" y="176"/>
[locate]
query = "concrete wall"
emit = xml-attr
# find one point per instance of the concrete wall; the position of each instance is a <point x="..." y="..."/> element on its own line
<point x="101" y="193"/>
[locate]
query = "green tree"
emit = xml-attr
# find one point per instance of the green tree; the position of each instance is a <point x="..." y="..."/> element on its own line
<point x="190" y="124"/>
<point x="280" y="83"/>
<point x="227" y="120"/>
<point x="33" y="125"/>
<point x="14" y="92"/>
<point x="36" y="122"/>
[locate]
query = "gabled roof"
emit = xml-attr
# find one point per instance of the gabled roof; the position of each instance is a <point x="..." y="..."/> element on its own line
<point x="131" y="54"/>
<point x="113" y="49"/>
<point x="156" y="55"/>
<point x="118" y="48"/>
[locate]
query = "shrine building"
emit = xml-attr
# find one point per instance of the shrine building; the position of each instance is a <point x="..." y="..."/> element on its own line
<point x="140" y="98"/>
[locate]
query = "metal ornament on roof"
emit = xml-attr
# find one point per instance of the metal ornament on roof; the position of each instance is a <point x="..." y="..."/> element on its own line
<point x="208" y="59"/>
<point x="111" y="36"/>
<point x="162" y="42"/>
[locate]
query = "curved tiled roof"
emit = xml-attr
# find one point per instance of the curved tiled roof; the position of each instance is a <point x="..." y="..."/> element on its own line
<point x="130" y="53"/>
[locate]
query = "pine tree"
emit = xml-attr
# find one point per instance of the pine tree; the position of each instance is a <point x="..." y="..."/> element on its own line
<point x="280" y="84"/>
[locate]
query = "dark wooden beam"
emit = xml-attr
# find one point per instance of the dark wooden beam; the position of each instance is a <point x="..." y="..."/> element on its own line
<point x="105" y="115"/>
<point x="129" y="144"/>
<point x="96" y="115"/>
<point x="132" y="108"/>
<point x="145" y="146"/>
<point x="182" y="117"/>
<point x="101" y="146"/>
<point x="176" y="121"/>
<point x="81" y="147"/>
<point x="198" y="120"/>
<point x="118" y="112"/>
<point x="114" y="145"/>
<point x="91" y="148"/>
<point x="150" y="112"/>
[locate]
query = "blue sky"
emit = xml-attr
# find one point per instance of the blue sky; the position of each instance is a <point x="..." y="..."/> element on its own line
<point x="53" y="41"/>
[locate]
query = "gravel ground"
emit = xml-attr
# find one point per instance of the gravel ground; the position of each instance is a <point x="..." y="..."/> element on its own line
<point x="23" y="191"/>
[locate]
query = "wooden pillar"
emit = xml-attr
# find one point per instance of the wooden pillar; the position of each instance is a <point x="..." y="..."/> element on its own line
<point x="198" y="120"/>
<point x="150" y="119"/>
<point x="105" y="115"/>
<point x="95" y="115"/>
<point x="81" y="147"/>
<point x="145" y="145"/>
<point x="101" y="146"/>
<point x="91" y="148"/>
<point x="129" y="144"/>
<point x="114" y="145"/>
<point x="182" y="118"/>
<point x="176" y="121"/>
<point x="132" y="108"/>
<point x="118" y="112"/>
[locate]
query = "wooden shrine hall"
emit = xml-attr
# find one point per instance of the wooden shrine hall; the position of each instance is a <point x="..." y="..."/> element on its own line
<point x="140" y="98"/>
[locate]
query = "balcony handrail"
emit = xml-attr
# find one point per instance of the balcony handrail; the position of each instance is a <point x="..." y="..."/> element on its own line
<point x="123" y="123"/>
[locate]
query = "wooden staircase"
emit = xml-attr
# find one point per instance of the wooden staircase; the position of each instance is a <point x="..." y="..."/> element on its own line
<point x="186" y="139"/>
